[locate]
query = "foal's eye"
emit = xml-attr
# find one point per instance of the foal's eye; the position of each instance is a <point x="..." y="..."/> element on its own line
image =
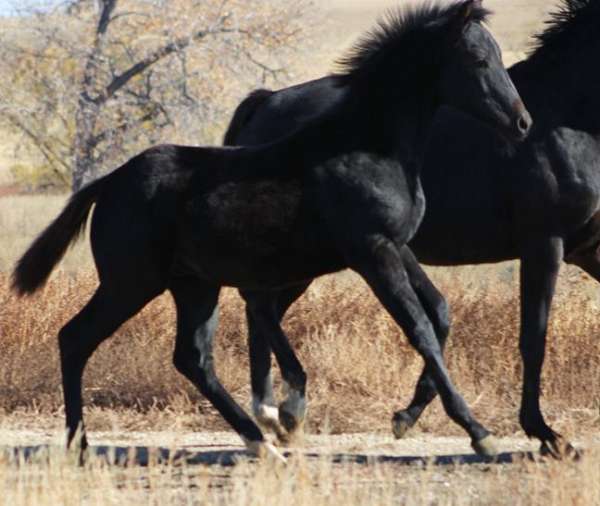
<point x="482" y="64"/>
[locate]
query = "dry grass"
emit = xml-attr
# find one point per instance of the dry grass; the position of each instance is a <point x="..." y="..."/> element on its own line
<point x="359" y="365"/>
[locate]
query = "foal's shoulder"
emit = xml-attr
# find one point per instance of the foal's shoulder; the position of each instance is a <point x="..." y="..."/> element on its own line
<point x="361" y="164"/>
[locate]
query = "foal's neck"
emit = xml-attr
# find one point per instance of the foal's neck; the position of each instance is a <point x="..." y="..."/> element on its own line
<point x="397" y="124"/>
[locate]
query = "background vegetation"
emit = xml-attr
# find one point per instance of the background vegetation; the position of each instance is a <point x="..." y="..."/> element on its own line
<point x="88" y="83"/>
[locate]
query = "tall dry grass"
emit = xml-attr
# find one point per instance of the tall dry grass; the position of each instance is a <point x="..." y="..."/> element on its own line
<point x="359" y="364"/>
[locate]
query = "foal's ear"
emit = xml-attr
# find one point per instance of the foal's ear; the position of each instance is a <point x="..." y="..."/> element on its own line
<point x="462" y="17"/>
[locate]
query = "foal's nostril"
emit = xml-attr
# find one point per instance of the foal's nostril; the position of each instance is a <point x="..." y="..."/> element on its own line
<point x="524" y="123"/>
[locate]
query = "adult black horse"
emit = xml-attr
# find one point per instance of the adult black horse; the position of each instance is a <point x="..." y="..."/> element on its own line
<point x="340" y="192"/>
<point x="485" y="203"/>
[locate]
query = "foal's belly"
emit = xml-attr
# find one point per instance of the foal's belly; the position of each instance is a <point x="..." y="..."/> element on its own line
<point x="254" y="235"/>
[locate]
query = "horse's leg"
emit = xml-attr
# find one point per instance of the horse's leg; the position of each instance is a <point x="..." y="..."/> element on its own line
<point x="384" y="270"/>
<point x="108" y="308"/>
<point x="263" y="399"/>
<point x="265" y="312"/>
<point x="436" y="309"/>
<point x="539" y="269"/>
<point x="197" y="315"/>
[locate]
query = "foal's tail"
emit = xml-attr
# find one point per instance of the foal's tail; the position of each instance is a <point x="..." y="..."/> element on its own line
<point x="34" y="267"/>
<point x="243" y="113"/>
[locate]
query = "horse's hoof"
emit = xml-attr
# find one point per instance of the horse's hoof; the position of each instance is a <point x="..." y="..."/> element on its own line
<point x="558" y="449"/>
<point x="265" y="451"/>
<point x="401" y="424"/>
<point x="485" y="447"/>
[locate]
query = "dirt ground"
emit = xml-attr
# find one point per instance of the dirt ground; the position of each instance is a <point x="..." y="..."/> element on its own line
<point x="214" y="447"/>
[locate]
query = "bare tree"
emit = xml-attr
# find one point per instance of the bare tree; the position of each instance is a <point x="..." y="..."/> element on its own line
<point x="93" y="80"/>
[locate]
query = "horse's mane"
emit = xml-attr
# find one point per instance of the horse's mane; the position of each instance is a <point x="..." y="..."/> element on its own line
<point x="569" y="22"/>
<point x="400" y="28"/>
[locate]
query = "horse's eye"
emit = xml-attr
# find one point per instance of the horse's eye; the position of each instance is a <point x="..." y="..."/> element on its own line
<point x="482" y="64"/>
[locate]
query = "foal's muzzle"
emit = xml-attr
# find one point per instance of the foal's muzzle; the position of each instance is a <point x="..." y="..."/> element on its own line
<point x="521" y="123"/>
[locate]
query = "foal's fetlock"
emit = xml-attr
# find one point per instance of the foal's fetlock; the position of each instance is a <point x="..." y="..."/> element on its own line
<point x="267" y="417"/>
<point x="402" y="422"/>
<point x="485" y="446"/>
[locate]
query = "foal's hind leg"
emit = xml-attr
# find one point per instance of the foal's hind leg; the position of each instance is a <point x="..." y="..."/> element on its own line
<point x="197" y="315"/>
<point x="265" y="309"/>
<point x="436" y="308"/>
<point x="108" y="308"/>
<point x="384" y="270"/>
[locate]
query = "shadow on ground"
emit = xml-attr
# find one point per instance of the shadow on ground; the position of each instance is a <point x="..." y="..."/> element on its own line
<point x="144" y="455"/>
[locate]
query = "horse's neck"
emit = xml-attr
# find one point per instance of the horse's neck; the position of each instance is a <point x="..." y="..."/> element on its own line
<point x="559" y="90"/>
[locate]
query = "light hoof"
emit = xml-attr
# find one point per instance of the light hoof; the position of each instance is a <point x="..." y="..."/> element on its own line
<point x="265" y="451"/>
<point x="485" y="447"/>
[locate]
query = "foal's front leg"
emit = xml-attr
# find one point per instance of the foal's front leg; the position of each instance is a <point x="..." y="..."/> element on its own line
<point x="383" y="267"/>
<point x="437" y="311"/>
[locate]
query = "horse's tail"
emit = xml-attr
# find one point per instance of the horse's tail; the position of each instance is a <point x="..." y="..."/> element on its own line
<point x="243" y="113"/>
<point x="34" y="267"/>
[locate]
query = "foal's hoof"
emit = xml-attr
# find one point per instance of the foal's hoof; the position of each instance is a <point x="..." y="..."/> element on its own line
<point x="559" y="449"/>
<point x="485" y="447"/>
<point x="292" y="412"/>
<point x="267" y="418"/>
<point x="401" y="424"/>
<point x="265" y="451"/>
<point x="294" y="429"/>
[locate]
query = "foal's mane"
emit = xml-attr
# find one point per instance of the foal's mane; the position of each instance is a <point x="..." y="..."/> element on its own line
<point x="569" y="22"/>
<point x="399" y="29"/>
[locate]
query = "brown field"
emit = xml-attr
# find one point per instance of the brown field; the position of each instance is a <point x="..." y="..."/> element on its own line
<point x="359" y="365"/>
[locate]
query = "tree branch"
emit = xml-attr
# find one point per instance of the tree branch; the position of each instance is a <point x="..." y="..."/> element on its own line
<point x="47" y="152"/>
<point x="122" y="79"/>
